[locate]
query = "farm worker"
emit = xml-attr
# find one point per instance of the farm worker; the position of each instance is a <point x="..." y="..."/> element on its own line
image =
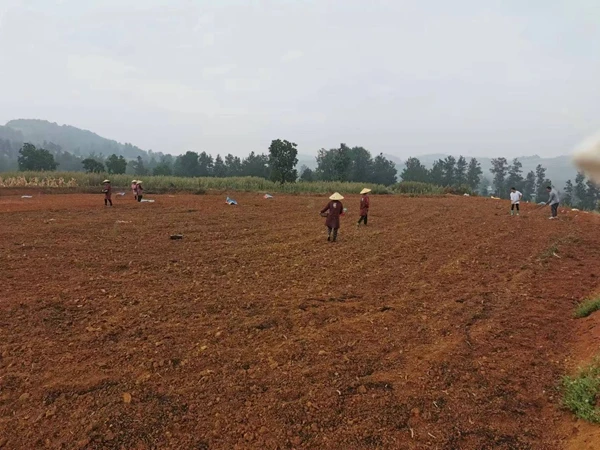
<point x="139" y="190"/>
<point x="515" y="199"/>
<point x="333" y="209"/>
<point x="107" y="189"/>
<point x="133" y="185"/>
<point x="553" y="201"/>
<point x="364" y="206"/>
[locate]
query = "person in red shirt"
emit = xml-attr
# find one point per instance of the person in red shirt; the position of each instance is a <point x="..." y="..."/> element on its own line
<point x="133" y="188"/>
<point x="139" y="190"/>
<point x="364" y="206"/>
<point x="107" y="189"/>
<point x="332" y="211"/>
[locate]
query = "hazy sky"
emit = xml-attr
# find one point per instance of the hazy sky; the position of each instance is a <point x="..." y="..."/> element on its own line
<point x="404" y="77"/>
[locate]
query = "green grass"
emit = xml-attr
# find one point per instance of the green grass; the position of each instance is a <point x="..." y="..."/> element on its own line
<point x="580" y="392"/>
<point x="587" y="307"/>
<point x="416" y="188"/>
<point x="85" y="182"/>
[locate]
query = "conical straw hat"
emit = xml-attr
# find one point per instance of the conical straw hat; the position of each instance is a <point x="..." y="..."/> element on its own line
<point x="336" y="196"/>
<point x="106" y="181"/>
<point x="365" y="191"/>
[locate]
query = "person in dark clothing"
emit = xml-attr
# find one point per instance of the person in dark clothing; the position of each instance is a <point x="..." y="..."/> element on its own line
<point x="107" y="189"/>
<point x="333" y="210"/>
<point x="139" y="190"/>
<point x="364" y="206"/>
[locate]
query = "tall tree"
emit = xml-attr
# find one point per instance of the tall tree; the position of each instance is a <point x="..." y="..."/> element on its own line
<point x="186" y="165"/>
<point x="92" y="166"/>
<point x="568" y="193"/>
<point x="580" y="190"/>
<point x="361" y="166"/>
<point x="255" y="166"/>
<point x="162" y="168"/>
<point x="591" y="197"/>
<point x="233" y="165"/>
<point x="515" y="176"/>
<point x="219" y="169"/>
<point x="499" y="169"/>
<point x="306" y="174"/>
<point x="384" y="171"/>
<point x="449" y="167"/>
<point x="205" y="165"/>
<point x="282" y="160"/>
<point x="540" y="184"/>
<point x="414" y="171"/>
<point x="31" y="158"/>
<point x="461" y="171"/>
<point x="138" y="167"/>
<point x="529" y="186"/>
<point x="116" y="164"/>
<point x="474" y="173"/>
<point x="436" y="174"/>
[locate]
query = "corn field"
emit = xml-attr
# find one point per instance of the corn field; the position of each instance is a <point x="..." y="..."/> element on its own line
<point x="156" y="184"/>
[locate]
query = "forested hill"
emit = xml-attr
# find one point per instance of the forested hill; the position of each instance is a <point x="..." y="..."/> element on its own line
<point x="70" y="139"/>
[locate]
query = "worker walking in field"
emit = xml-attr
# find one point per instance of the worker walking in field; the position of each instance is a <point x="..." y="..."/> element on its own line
<point x="553" y="201"/>
<point x="139" y="190"/>
<point x="107" y="189"/>
<point x="364" y="206"/>
<point x="515" y="199"/>
<point x="332" y="211"/>
<point x="133" y="189"/>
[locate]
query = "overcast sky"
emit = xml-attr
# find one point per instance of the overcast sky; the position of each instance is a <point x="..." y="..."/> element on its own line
<point x="404" y="77"/>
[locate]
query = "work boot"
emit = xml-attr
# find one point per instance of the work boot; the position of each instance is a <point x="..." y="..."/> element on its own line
<point x="511" y="212"/>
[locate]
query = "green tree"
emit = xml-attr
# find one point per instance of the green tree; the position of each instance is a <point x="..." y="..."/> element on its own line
<point x="233" y="165"/>
<point x="361" y="166"/>
<point x="384" y="171"/>
<point x="205" y="165"/>
<point x="414" y="171"/>
<point x="568" y="193"/>
<point x="187" y="165"/>
<point x="529" y="186"/>
<point x="255" y="166"/>
<point x="92" y="166"/>
<point x="436" y="174"/>
<point x="484" y="186"/>
<point x="326" y="170"/>
<point x="282" y="160"/>
<point x="591" y="197"/>
<point x="219" y="169"/>
<point x="31" y="158"/>
<point x="515" y="176"/>
<point x="474" y="173"/>
<point x="138" y="167"/>
<point x="499" y="169"/>
<point x="580" y="190"/>
<point x="116" y="164"/>
<point x="162" y="168"/>
<point x="306" y="174"/>
<point x="449" y="167"/>
<point x="541" y="194"/>
<point x="461" y="172"/>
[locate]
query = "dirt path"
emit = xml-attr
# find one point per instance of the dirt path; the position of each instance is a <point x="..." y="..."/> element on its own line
<point x="446" y="324"/>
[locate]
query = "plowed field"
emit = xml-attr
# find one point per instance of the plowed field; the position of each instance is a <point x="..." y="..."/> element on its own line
<point x="444" y="324"/>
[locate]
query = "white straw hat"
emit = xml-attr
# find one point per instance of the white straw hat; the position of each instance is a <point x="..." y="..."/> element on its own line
<point x="365" y="191"/>
<point x="106" y="181"/>
<point x="336" y="196"/>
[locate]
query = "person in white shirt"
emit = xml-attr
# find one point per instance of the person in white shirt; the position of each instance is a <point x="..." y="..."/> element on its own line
<point x="515" y="199"/>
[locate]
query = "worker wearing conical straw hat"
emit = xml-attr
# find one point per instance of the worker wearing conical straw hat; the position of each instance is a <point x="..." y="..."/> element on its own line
<point x="107" y="189"/>
<point x="333" y="210"/>
<point x="139" y="190"/>
<point x="133" y="185"/>
<point x="364" y="206"/>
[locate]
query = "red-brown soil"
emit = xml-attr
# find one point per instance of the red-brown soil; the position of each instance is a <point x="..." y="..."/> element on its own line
<point x="445" y="324"/>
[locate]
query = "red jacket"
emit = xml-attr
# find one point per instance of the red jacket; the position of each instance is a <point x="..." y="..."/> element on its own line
<point x="364" y="205"/>
<point x="107" y="190"/>
<point x="335" y="208"/>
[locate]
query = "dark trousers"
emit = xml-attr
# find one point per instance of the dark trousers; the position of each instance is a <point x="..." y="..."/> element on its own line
<point x="363" y="219"/>
<point x="139" y="198"/>
<point x="107" y="201"/>
<point x="335" y="232"/>
<point x="513" y="206"/>
<point x="554" y="208"/>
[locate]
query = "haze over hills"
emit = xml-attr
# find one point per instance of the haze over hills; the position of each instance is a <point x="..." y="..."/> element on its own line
<point x="83" y="143"/>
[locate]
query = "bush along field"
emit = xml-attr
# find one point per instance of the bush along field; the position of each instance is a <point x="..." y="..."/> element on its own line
<point x="87" y="182"/>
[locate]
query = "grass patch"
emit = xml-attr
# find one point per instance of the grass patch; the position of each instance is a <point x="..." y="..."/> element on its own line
<point x="580" y="392"/>
<point x="587" y="307"/>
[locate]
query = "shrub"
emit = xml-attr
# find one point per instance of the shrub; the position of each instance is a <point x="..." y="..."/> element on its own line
<point x="580" y="391"/>
<point x="587" y="307"/>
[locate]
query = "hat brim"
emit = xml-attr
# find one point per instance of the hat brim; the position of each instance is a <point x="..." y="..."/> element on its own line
<point x="336" y="197"/>
<point x="106" y="181"/>
<point x="365" y="191"/>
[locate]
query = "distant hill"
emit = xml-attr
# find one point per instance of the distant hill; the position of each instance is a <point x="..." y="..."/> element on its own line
<point x="71" y="139"/>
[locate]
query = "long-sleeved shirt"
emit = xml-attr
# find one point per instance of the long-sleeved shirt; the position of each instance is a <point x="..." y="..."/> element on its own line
<point x="553" y="197"/>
